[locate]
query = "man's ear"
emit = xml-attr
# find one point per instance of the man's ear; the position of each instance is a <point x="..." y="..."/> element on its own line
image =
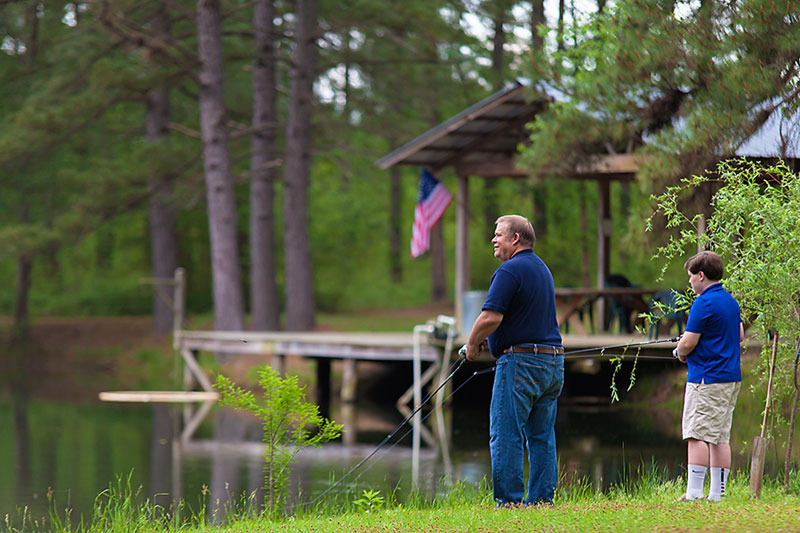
<point x="515" y="240"/>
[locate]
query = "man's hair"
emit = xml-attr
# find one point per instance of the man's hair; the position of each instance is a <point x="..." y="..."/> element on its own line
<point x="706" y="262"/>
<point x="521" y="226"/>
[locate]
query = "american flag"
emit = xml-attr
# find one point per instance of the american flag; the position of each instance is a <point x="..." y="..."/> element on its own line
<point x="432" y="202"/>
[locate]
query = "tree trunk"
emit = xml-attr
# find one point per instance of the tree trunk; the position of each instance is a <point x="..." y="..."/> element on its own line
<point x="395" y="231"/>
<point x="537" y="19"/>
<point x="539" y="210"/>
<point x="162" y="213"/>
<point x="228" y="302"/>
<point x="498" y="41"/>
<point x="264" y="304"/>
<point x="299" y="279"/>
<point x="21" y="327"/>
<point x="490" y="208"/>
<point x="438" y="264"/>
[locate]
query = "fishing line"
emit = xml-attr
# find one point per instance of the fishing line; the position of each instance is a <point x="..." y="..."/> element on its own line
<point x="455" y="367"/>
<point x="628" y="345"/>
<point x="403" y="436"/>
<point x="452" y="370"/>
<point x="613" y="355"/>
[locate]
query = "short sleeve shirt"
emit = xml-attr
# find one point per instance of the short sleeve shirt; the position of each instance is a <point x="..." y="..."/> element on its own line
<point x="715" y="316"/>
<point x="522" y="290"/>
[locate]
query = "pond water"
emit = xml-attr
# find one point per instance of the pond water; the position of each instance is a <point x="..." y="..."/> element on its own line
<point x="73" y="451"/>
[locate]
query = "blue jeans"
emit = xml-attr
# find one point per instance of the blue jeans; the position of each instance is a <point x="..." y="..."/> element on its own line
<point x="523" y="413"/>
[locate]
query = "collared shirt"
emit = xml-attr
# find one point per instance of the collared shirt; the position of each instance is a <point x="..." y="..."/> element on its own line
<point x="716" y="317"/>
<point x="522" y="290"/>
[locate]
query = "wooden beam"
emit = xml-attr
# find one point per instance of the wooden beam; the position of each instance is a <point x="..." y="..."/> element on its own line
<point x="610" y="164"/>
<point x="444" y="129"/>
<point x="462" y="247"/>
<point x="496" y="168"/>
<point x="485" y="138"/>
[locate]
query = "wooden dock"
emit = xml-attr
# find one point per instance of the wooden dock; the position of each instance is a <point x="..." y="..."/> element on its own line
<point x="359" y="346"/>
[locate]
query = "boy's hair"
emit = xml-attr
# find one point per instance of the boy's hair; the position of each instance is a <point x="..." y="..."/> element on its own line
<point x="520" y="225"/>
<point x="706" y="262"/>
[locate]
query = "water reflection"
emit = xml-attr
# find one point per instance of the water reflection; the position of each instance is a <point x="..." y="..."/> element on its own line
<point x="77" y="450"/>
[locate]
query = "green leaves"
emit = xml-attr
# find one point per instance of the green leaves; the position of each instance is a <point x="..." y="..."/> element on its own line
<point x="754" y="228"/>
<point x="290" y="423"/>
<point x="683" y="81"/>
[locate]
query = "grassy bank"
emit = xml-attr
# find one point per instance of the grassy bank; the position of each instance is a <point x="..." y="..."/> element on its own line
<point x="647" y="504"/>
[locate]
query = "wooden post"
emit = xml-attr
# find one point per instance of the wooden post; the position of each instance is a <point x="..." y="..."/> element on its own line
<point x="603" y="242"/>
<point x="349" y="381"/>
<point x="324" y="386"/>
<point x="462" y="248"/>
<point x="760" y="442"/>
<point x="178" y="305"/>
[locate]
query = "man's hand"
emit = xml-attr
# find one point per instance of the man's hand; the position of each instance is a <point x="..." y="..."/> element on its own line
<point x="473" y="351"/>
<point x="484" y="325"/>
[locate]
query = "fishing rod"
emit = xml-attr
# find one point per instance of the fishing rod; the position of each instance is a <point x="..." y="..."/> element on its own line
<point x="408" y="431"/>
<point x="615" y="346"/>
<point x="453" y="369"/>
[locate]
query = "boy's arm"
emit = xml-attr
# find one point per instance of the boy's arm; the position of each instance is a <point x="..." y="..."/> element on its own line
<point x="686" y="345"/>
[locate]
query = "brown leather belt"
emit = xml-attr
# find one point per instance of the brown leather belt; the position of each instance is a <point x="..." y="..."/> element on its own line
<point x="535" y="348"/>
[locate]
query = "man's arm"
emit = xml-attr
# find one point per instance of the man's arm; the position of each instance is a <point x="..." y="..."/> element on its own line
<point x="484" y="325"/>
<point x="741" y="333"/>
<point x="686" y="345"/>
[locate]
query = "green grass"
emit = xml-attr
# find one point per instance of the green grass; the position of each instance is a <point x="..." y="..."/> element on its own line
<point x="646" y="503"/>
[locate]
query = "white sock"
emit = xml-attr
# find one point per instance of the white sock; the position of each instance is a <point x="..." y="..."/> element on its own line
<point x="719" y="477"/>
<point x="695" y="479"/>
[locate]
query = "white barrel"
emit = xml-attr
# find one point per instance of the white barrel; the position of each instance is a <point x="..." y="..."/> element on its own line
<point x="471" y="308"/>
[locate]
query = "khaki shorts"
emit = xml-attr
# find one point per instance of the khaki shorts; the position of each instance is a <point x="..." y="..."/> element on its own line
<point x="708" y="411"/>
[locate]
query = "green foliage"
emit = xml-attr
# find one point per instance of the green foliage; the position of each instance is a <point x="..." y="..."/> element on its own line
<point x="629" y="74"/>
<point x="370" y="500"/>
<point x="754" y="228"/>
<point x="289" y="422"/>
<point x="644" y="505"/>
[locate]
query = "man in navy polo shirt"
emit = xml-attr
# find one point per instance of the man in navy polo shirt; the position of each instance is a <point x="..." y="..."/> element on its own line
<point x="519" y="321"/>
<point x="710" y="347"/>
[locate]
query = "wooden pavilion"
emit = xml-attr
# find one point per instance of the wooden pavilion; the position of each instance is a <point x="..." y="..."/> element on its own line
<point x="482" y="141"/>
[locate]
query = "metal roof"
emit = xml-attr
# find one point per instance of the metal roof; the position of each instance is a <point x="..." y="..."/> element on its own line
<point x="779" y="136"/>
<point x="491" y="129"/>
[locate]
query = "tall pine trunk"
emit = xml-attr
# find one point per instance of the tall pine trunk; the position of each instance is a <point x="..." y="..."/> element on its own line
<point x="263" y="287"/>
<point x="228" y="301"/>
<point x="395" y="231"/>
<point x="162" y="216"/>
<point x="21" y="326"/>
<point x="299" y="279"/>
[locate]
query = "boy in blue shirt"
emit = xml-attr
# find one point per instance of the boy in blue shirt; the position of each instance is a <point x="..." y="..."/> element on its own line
<point x="710" y="348"/>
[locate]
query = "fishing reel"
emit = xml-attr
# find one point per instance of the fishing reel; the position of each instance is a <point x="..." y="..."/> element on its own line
<point x="443" y="327"/>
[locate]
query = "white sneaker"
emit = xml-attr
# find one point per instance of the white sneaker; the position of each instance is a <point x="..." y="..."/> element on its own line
<point x="691" y="496"/>
<point x="714" y="497"/>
